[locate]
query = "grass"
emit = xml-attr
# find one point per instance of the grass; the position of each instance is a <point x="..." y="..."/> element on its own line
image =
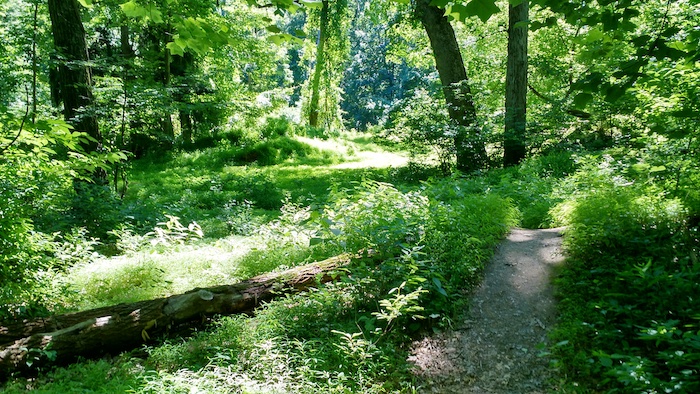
<point x="350" y="336"/>
<point x="159" y="271"/>
<point x="628" y="317"/>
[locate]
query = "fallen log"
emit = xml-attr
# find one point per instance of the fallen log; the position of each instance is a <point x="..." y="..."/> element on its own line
<point x="60" y="340"/>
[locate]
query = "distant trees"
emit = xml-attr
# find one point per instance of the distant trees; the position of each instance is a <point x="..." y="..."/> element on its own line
<point x="329" y="64"/>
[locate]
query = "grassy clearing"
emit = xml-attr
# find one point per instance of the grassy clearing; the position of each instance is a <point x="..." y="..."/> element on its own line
<point x="158" y="271"/>
<point x="349" y="336"/>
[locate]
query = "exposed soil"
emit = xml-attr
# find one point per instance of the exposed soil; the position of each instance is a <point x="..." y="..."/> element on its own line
<point x="497" y="348"/>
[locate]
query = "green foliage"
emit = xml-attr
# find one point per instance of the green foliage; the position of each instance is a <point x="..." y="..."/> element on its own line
<point x="40" y="233"/>
<point x="276" y="151"/>
<point x="376" y="216"/>
<point x="423" y="125"/>
<point x="95" y="377"/>
<point x="434" y="241"/>
<point x="628" y="290"/>
<point x="174" y="232"/>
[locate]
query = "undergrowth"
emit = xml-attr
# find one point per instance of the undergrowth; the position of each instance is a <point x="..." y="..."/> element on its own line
<point x="422" y="255"/>
<point x="630" y="320"/>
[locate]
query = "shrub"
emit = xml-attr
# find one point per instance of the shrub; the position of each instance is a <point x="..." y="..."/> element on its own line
<point x="374" y="216"/>
<point x="629" y="289"/>
<point x="276" y="127"/>
<point x="274" y="151"/>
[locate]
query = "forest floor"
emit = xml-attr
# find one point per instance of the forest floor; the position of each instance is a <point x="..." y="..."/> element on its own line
<point x="359" y="155"/>
<point x="498" y="347"/>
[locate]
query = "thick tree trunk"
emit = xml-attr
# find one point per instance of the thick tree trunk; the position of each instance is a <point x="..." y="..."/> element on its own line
<point x="74" y="79"/>
<point x="471" y="153"/>
<point x="516" y="85"/>
<point x="109" y="330"/>
<point x="318" y="68"/>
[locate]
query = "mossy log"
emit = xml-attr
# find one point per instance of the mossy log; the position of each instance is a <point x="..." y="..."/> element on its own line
<point x="62" y="339"/>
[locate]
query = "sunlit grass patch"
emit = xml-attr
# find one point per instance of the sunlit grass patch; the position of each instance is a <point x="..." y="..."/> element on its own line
<point x="361" y="154"/>
<point x="98" y="377"/>
<point x="158" y="272"/>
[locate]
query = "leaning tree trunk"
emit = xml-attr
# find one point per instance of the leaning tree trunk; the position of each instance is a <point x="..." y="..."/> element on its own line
<point x="320" y="64"/>
<point x="62" y="339"/>
<point x="516" y="85"/>
<point x="73" y="77"/>
<point x="471" y="153"/>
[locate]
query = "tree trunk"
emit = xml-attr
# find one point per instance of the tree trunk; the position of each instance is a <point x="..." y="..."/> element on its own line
<point x="110" y="330"/>
<point x="516" y="85"/>
<point x="186" y="125"/>
<point x="73" y="77"/>
<point x="471" y="153"/>
<point x="35" y="65"/>
<point x="166" y="121"/>
<point x="320" y="64"/>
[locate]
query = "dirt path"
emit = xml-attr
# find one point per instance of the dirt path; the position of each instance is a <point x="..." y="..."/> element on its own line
<point x="496" y="349"/>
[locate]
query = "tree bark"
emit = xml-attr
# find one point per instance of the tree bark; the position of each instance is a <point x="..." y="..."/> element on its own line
<point x="320" y="64"/>
<point x="167" y="122"/>
<point x="74" y="75"/>
<point x="514" y="147"/>
<point x="471" y="152"/>
<point x="110" y="330"/>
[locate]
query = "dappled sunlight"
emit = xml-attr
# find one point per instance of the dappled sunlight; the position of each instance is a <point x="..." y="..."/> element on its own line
<point x="104" y="320"/>
<point x="159" y="271"/>
<point x="375" y="160"/>
<point x="355" y="156"/>
<point x="495" y="349"/>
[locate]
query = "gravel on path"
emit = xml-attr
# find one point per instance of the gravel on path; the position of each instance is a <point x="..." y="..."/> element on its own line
<point x="497" y="348"/>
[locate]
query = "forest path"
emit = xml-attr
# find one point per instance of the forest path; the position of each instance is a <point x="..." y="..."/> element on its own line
<point x="496" y="349"/>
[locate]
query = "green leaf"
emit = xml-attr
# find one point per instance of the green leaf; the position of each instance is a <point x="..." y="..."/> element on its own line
<point x="614" y="92"/>
<point x="273" y="29"/>
<point x="175" y="49"/>
<point x="438" y="286"/>
<point x="457" y="11"/>
<point x="484" y="9"/>
<point x="594" y="35"/>
<point x="605" y="361"/>
<point x="312" y="3"/>
<point x="279" y="39"/>
<point x="679" y="45"/>
<point x="440" y="3"/>
<point x="657" y="169"/>
<point x="86" y="3"/>
<point x="133" y="10"/>
<point x="582" y="99"/>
